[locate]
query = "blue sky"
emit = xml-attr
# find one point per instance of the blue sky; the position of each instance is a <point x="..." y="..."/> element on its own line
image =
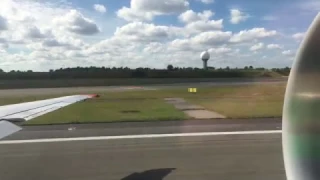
<point x="46" y="34"/>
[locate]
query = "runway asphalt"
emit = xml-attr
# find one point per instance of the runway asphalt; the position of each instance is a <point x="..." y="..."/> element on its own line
<point x="138" y="128"/>
<point x="241" y="157"/>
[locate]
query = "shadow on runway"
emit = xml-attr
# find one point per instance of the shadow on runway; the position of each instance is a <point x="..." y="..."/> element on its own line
<point x="154" y="174"/>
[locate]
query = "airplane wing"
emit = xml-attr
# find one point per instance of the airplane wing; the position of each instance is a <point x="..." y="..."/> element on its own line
<point x="25" y="111"/>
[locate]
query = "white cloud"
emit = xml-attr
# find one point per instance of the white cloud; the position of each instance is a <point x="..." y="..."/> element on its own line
<point x="76" y="23"/>
<point x="202" y="26"/>
<point x="100" y="8"/>
<point x="160" y="7"/>
<point x="237" y="16"/>
<point x="191" y="16"/>
<point x="212" y="38"/>
<point x="199" y="22"/>
<point x="207" y="1"/>
<point x="154" y="47"/>
<point x="257" y="47"/>
<point x="144" y="32"/>
<point x="53" y="43"/>
<point x="3" y="23"/>
<point x="33" y="32"/>
<point x="220" y="50"/>
<point x="298" y="36"/>
<point x="129" y="14"/>
<point x="142" y="10"/>
<point x="252" y="34"/>
<point x="274" y="46"/>
<point x="180" y="45"/>
<point x="288" y="53"/>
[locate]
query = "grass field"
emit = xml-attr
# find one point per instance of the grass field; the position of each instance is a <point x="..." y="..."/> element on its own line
<point x="231" y="101"/>
<point x="101" y="110"/>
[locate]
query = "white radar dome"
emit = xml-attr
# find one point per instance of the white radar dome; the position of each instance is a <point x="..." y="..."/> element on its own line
<point x="205" y="55"/>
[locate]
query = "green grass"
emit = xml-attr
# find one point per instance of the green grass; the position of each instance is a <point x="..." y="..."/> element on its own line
<point x="231" y="101"/>
<point x="102" y="110"/>
<point x="245" y="102"/>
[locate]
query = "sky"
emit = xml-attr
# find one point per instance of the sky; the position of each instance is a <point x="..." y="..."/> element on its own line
<point x="40" y="35"/>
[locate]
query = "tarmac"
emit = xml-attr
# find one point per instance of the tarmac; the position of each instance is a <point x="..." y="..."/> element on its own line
<point x="241" y="157"/>
<point x="238" y="156"/>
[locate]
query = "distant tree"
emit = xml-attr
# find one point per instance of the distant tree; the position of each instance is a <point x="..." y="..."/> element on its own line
<point x="29" y="71"/>
<point x="246" y="67"/>
<point x="250" y="67"/>
<point x="169" y="67"/>
<point x="227" y="68"/>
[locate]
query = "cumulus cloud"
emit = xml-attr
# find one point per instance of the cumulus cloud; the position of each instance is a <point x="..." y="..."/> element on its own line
<point x="201" y="41"/>
<point x="236" y="16"/>
<point x="3" y="23"/>
<point x="220" y="50"/>
<point x="154" y="47"/>
<point x="288" y="53"/>
<point x="53" y="43"/>
<point x="274" y="46"/>
<point x="147" y="9"/>
<point x="207" y="1"/>
<point x="76" y="23"/>
<point x="33" y="32"/>
<point x="202" y="26"/>
<point x="298" y="36"/>
<point x="212" y="38"/>
<point x="160" y="7"/>
<point x="100" y="8"/>
<point x="144" y="32"/>
<point x="191" y="16"/>
<point x="257" y="47"/>
<point x="252" y="34"/>
<point x="129" y="14"/>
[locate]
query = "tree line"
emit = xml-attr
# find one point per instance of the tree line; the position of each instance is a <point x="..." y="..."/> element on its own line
<point x="125" y="72"/>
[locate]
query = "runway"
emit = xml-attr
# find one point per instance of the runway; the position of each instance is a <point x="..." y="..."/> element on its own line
<point x="140" y="128"/>
<point x="242" y="157"/>
<point x="237" y="156"/>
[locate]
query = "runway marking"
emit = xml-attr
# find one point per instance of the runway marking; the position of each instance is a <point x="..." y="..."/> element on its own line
<point x="142" y="136"/>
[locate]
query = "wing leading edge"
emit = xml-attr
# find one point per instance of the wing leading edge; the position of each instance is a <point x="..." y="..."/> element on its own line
<point x="29" y="110"/>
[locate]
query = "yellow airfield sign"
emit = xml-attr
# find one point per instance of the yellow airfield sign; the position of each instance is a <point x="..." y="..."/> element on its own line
<point x="192" y="90"/>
